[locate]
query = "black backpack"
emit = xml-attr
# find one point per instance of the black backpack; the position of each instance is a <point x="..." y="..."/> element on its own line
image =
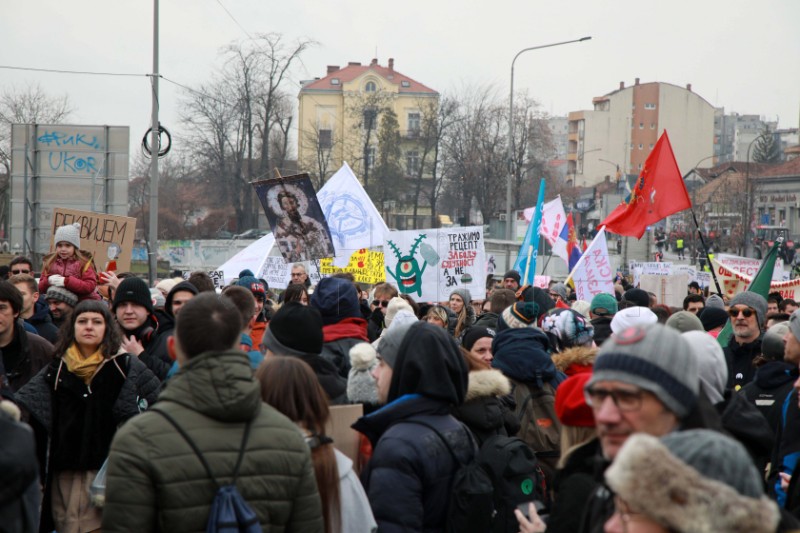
<point x="229" y="513"/>
<point x="485" y="491"/>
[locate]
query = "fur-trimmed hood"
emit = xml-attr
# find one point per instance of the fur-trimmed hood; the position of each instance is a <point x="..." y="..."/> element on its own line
<point x="485" y="383"/>
<point x="579" y="356"/>
<point x="656" y="483"/>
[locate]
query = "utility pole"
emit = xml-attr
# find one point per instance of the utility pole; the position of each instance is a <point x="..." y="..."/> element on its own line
<point x="154" y="150"/>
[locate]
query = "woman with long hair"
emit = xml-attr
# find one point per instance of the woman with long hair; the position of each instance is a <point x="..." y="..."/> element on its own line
<point x="290" y="386"/>
<point x="296" y="292"/>
<point x="76" y="404"/>
<point x="461" y="304"/>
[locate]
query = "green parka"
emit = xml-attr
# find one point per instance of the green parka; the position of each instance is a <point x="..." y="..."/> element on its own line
<point x="157" y="483"/>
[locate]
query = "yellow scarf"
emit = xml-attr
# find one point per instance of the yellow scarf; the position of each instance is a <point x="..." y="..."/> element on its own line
<point x="83" y="367"/>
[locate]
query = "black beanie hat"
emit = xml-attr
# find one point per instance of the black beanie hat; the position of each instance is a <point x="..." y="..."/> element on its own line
<point x="637" y="297"/>
<point x="296" y="329"/>
<point x="134" y="290"/>
<point x="712" y="317"/>
<point x="513" y="274"/>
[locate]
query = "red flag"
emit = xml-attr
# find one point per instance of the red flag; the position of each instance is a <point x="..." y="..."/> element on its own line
<point x="659" y="192"/>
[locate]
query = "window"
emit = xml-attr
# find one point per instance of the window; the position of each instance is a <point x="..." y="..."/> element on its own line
<point x="370" y="87"/>
<point x="370" y="114"/>
<point x="412" y="163"/>
<point x="640" y="146"/>
<point x="640" y="166"/>
<point x="370" y="157"/>
<point x="652" y="125"/>
<point x="405" y="83"/>
<point x="641" y="125"/>
<point x="325" y="139"/>
<point x="651" y="146"/>
<point x="335" y="81"/>
<point x="649" y="106"/>
<point x="413" y="123"/>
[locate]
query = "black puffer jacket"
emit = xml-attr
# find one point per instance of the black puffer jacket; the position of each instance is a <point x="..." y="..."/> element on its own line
<point x="740" y="362"/>
<point x="747" y="425"/>
<point x="572" y="486"/>
<point x="409" y="477"/>
<point x="773" y="382"/>
<point x="483" y="411"/>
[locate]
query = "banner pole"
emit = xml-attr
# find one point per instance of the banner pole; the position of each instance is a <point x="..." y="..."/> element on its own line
<point x="705" y="250"/>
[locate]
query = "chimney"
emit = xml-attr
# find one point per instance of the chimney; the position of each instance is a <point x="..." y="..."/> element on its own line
<point x="373" y="62"/>
<point x="391" y="63"/>
<point x="621" y="85"/>
<point x="353" y="64"/>
<point x="637" y="81"/>
<point x="689" y="87"/>
<point x="332" y="68"/>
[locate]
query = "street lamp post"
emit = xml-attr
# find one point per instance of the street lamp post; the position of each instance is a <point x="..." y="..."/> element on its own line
<point x="749" y="195"/>
<point x="511" y="127"/>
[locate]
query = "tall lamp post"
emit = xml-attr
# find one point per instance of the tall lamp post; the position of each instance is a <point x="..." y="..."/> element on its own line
<point x="511" y="127"/>
<point x="749" y="189"/>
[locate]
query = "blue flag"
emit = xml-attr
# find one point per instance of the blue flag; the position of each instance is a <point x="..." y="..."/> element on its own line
<point x="530" y="245"/>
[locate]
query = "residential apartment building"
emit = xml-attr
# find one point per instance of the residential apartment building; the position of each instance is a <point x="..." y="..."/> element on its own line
<point x="340" y="118"/>
<point x="624" y="125"/>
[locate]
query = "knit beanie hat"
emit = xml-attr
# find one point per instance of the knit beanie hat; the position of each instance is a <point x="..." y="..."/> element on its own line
<point x="715" y="300"/>
<point x="464" y="294"/>
<point x="474" y="334"/>
<point x="604" y="304"/>
<point x="567" y="328"/>
<point x="395" y="305"/>
<point x="513" y="274"/>
<point x="167" y="284"/>
<point x="684" y="321"/>
<point x="754" y="301"/>
<point x="571" y="407"/>
<point x="711" y="365"/>
<point x="390" y="343"/>
<point x="361" y="387"/>
<point x="70" y="233"/>
<point x="695" y="480"/>
<point x="582" y="307"/>
<point x="134" y="290"/>
<point x="251" y="283"/>
<point x="637" y="297"/>
<point x="62" y="295"/>
<point x="772" y="346"/>
<point x="794" y="323"/>
<point x="652" y="357"/>
<point x="632" y="316"/>
<point x="295" y="329"/>
<point x="519" y="315"/>
<point x="712" y="317"/>
<point x="336" y="299"/>
<point x="560" y="289"/>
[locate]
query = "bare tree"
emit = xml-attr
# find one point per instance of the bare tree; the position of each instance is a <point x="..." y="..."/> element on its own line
<point x="324" y="144"/>
<point x="365" y="111"/>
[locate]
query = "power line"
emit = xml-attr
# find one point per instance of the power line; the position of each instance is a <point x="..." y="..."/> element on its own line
<point x="186" y="87"/>
<point x="61" y="71"/>
<point x="234" y="19"/>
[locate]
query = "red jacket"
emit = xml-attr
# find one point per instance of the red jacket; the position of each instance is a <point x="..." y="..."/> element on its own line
<point x="79" y="277"/>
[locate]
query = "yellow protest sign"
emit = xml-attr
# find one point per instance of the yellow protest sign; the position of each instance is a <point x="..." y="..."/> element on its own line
<point x="365" y="265"/>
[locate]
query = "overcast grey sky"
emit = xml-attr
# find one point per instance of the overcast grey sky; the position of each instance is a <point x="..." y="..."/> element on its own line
<point x="743" y="55"/>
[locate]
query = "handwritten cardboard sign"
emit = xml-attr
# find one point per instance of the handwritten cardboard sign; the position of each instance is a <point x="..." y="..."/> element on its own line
<point x="106" y="236"/>
<point x="365" y="265"/>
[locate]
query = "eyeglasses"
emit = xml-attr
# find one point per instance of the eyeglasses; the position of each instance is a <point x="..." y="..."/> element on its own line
<point x="20" y="271"/>
<point x="380" y="303"/>
<point x="625" y="400"/>
<point x="746" y="311"/>
<point x="296" y="274"/>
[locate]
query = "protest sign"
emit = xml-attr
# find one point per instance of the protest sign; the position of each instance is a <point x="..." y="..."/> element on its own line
<point x="217" y="276"/>
<point x="107" y="237"/>
<point x="338" y="428"/>
<point x="429" y="264"/>
<point x="296" y="218"/>
<point x="277" y="272"/>
<point x="669" y="290"/>
<point x="748" y="266"/>
<point x="593" y="273"/>
<point x="366" y="267"/>
<point x="733" y="282"/>
<point x="541" y="281"/>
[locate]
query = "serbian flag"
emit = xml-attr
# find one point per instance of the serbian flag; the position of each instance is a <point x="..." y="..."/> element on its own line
<point x="659" y="192"/>
<point x="573" y="248"/>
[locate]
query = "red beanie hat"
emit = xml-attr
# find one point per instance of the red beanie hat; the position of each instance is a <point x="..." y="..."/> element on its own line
<point x="571" y="407"/>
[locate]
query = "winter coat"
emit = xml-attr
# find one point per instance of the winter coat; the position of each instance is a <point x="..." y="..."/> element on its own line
<point x="156" y="482"/>
<point x="602" y="328"/>
<point x="487" y="320"/>
<point x="334" y="385"/>
<point x="572" y="486"/>
<point x="745" y="423"/>
<point x="154" y="342"/>
<point x="80" y="276"/>
<point x="20" y="495"/>
<point x="339" y="338"/>
<point x="375" y="325"/>
<point x="773" y="382"/>
<point x="25" y="356"/>
<point x="355" y="512"/>
<point x="575" y="360"/>
<point x="409" y="476"/>
<point x="740" y="362"/>
<point x="483" y="410"/>
<point x="43" y="322"/>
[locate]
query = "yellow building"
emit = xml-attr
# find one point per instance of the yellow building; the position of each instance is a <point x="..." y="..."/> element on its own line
<point x="339" y="120"/>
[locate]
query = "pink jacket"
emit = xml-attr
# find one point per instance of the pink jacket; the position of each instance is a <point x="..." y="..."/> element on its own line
<point x="82" y="282"/>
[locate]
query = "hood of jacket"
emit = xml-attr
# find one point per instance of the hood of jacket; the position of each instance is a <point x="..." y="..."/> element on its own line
<point x="487" y="383"/>
<point x="219" y="385"/>
<point x="41" y="313"/>
<point x="775" y="374"/>
<point x="575" y="360"/>
<point x="429" y="363"/>
<point x="521" y="354"/>
<point x="182" y="286"/>
<point x="375" y="424"/>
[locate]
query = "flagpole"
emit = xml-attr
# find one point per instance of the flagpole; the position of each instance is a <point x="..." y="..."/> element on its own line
<point x="705" y="249"/>
<point x="585" y="254"/>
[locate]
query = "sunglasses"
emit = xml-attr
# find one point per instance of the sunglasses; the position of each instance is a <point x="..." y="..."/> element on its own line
<point x="380" y="303"/>
<point x="746" y="311"/>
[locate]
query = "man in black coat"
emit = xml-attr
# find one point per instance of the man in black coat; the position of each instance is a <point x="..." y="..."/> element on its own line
<point x="748" y="311"/>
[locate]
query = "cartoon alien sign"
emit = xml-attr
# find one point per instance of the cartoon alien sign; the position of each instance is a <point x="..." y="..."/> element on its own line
<point x="407" y="272"/>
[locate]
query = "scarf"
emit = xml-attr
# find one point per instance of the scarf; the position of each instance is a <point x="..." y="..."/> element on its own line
<point x="348" y="328"/>
<point x="83" y="367"/>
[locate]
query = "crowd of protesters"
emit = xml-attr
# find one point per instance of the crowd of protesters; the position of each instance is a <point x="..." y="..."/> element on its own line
<point x="634" y="416"/>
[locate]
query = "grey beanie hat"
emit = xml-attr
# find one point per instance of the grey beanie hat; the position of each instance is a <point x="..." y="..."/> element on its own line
<point x="655" y="358"/>
<point x="560" y="289"/>
<point x="390" y="343"/>
<point x="772" y="343"/>
<point x="70" y="233"/>
<point x="685" y="321"/>
<point x="754" y="301"/>
<point x="715" y="300"/>
<point x="794" y="324"/>
<point x="62" y="295"/>
<point x="464" y="294"/>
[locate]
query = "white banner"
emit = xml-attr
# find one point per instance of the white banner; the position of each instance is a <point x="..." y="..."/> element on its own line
<point x="593" y="273"/>
<point x="429" y="264"/>
<point x="748" y="266"/>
